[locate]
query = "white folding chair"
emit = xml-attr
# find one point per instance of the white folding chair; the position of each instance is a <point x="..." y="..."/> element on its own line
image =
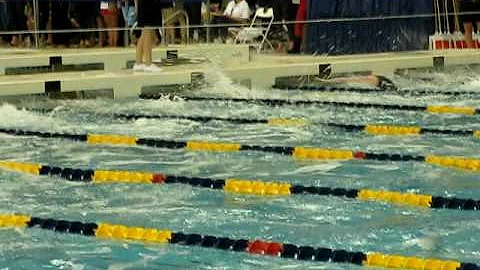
<point x="252" y="32"/>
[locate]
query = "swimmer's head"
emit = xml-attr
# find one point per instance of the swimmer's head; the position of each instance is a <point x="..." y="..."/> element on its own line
<point x="385" y="84"/>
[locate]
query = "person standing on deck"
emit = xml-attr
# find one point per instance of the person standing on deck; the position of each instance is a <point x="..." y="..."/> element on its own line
<point x="194" y="11"/>
<point x="298" y="36"/>
<point x="149" y="14"/>
<point x="469" y="19"/>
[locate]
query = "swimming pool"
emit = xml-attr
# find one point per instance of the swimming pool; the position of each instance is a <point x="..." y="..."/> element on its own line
<point x="318" y="221"/>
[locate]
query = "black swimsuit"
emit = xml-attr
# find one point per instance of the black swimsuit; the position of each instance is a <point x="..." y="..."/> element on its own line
<point x="149" y="13"/>
<point x="385" y="84"/>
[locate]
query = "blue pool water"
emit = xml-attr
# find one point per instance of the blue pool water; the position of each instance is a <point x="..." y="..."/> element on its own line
<point x="303" y="220"/>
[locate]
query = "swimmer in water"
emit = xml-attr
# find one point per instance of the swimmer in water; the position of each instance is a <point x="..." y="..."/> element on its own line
<point x="378" y="81"/>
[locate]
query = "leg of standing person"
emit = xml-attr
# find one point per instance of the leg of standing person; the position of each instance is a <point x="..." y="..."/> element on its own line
<point x="22" y="21"/>
<point x="147" y="46"/>
<point x="144" y="52"/>
<point x="74" y="14"/>
<point x="102" y="24"/>
<point x="53" y="21"/>
<point x="12" y="24"/>
<point x="109" y="10"/>
<point x="467" y="21"/>
<point x="43" y="17"/>
<point x="158" y="7"/>
<point x="49" y="24"/>
<point x="468" y="27"/>
<point x="90" y="14"/>
<point x="139" y="53"/>
<point x="16" y="14"/>
<point x="279" y="29"/>
<point x="113" y="23"/>
<point x="292" y="14"/>
<point x="301" y="16"/>
<point x="79" y="16"/>
<point x="101" y="32"/>
<point x="60" y="21"/>
<point x="30" y="22"/>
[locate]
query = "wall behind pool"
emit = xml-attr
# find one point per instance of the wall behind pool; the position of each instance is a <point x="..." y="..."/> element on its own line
<point x="368" y="36"/>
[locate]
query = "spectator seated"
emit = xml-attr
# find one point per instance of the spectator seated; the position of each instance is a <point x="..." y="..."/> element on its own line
<point x="236" y="12"/>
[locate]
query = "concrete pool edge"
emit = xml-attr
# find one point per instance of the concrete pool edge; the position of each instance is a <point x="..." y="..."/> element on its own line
<point x="237" y="62"/>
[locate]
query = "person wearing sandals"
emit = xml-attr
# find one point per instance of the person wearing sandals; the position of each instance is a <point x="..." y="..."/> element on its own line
<point x="148" y="16"/>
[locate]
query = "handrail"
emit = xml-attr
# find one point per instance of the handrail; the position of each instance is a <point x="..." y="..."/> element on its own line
<point x="187" y="24"/>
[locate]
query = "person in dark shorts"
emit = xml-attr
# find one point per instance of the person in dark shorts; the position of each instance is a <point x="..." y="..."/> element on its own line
<point x="17" y="20"/>
<point x="60" y="21"/>
<point x="83" y="15"/>
<point x="194" y="11"/>
<point x="149" y="14"/>
<point x="469" y="19"/>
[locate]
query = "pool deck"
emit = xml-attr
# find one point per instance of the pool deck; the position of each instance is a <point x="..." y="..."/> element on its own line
<point x="236" y="61"/>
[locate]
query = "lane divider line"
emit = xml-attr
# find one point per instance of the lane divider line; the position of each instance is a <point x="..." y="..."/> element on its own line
<point x="404" y="92"/>
<point x="437" y="109"/>
<point x="118" y="232"/>
<point x="243" y="186"/>
<point x="372" y="129"/>
<point x="310" y="153"/>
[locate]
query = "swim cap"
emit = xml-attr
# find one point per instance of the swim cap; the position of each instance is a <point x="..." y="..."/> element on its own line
<point x="385" y="84"/>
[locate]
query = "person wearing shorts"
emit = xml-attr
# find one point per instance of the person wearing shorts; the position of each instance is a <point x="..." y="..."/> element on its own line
<point x="109" y="11"/>
<point x="83" y="16"/>
<point x="469" y="19"/>
<point x="149" y="15"/>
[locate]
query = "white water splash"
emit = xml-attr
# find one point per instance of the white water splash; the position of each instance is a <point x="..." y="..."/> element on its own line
<point x="430" y="242"/>
<point x="66" y="264"/>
